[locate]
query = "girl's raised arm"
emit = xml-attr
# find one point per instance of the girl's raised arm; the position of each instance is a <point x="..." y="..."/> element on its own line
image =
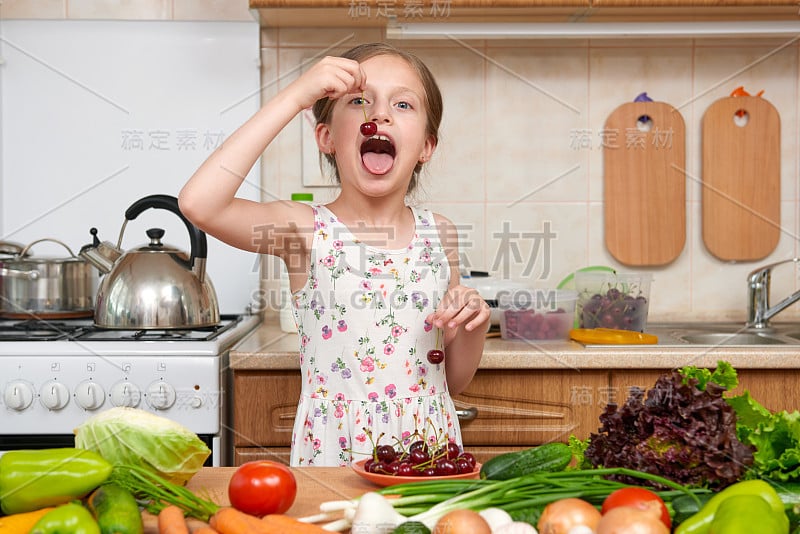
<point x="209" y="197"/>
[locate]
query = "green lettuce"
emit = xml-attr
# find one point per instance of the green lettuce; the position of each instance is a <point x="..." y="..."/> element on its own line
<point x="775" y="436"/>
<point x="129" y="436"/>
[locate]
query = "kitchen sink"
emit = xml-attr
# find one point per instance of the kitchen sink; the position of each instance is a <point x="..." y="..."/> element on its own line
<point x="722" y="334"/>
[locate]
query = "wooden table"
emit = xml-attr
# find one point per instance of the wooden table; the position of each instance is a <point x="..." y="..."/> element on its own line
<point x="314" y="486"/>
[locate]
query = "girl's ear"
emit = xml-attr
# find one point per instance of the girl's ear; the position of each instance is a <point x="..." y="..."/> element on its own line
<point x="427" y="149"/>
<point x="322" y="133"/>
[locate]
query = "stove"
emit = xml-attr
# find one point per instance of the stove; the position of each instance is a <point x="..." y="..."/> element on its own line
<point x="56" y="374"/>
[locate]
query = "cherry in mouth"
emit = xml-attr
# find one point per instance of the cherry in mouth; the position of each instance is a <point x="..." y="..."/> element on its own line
<point x="368" y="129"/>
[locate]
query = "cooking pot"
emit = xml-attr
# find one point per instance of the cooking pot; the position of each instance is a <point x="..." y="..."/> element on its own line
<point x="45" y="287"/>
<point x="154" y="286"/>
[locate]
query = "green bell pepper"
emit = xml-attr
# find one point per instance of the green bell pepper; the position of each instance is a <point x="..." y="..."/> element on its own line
<point x="745" y="514"/>
<point x="34" y="479"/>
<point x="700" y="523"/>
<point x="69" y="518"/>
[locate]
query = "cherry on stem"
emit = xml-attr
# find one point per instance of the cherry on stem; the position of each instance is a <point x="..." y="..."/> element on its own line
<point x="369" y="129"/>
<point x="436" y="356"/>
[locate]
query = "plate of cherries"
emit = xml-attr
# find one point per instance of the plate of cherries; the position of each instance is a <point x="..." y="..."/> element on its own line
<point x="389" y="465"/>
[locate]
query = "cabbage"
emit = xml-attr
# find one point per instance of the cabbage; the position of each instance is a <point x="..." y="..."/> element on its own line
<point x="129" y="436"/>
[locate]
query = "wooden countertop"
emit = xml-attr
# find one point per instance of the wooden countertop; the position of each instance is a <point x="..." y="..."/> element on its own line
<point x="267" y="348"/>
<point x="314" y="486"/>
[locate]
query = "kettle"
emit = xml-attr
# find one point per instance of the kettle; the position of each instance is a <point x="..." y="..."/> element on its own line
<point x="154" y="286"/>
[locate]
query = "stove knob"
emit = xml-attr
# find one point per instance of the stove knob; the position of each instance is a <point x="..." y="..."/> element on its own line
<point x="18" y="395"/>
<point x="125" y="394"/>
<point x="160" y="395"/>
<point x="54" y="395"/>
<point x="90" y="395"/>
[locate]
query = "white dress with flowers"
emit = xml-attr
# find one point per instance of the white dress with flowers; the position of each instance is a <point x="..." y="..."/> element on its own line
<point x="364" y="343"/>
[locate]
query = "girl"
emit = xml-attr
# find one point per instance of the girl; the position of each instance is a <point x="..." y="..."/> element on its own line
<point x="375" y="282"/>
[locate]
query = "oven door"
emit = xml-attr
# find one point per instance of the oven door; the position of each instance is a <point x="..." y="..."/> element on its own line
<point x="15" y="442"/>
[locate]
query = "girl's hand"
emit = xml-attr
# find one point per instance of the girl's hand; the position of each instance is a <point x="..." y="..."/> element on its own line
<point x="331" y="77"/>
<point x="461" y="305"/>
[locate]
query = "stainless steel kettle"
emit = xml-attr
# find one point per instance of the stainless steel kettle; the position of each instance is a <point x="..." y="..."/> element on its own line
<point x="154" y="286"/>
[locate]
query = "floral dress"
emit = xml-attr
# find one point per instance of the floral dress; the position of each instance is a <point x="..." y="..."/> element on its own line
<point x="364" y="342"/>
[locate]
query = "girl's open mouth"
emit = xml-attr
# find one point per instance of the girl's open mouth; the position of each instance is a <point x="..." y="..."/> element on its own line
<point x="377" y="154"/>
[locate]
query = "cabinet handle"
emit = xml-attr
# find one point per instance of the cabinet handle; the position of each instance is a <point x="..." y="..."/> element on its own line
<point x="467" y="414"/>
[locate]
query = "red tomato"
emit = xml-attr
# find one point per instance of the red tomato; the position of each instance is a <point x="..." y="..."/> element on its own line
<point x="262" y="487"/>
<point x="640" y="498"/>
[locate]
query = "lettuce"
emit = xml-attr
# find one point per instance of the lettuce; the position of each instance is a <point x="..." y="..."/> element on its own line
<point x="775" y="436"/>
<point x="676" y="430"/>
<point x="129" y="436"/>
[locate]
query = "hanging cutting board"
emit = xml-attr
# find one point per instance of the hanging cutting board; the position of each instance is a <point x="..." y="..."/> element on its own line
<point x="741" y="179"/>
<point x="644" y="184"/>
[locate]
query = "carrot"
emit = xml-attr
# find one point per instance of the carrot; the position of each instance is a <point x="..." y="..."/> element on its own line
<point x="229" y="520"/>
<point x="204" y="530"/>
<point x="171" y="521"/>
<point x="280" y="523"/>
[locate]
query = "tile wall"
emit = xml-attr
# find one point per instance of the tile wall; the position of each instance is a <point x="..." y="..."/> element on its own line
<point x="509" y="156"/>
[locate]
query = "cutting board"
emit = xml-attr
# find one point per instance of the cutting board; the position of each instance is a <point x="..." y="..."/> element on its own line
<point x="644" y="197"/>
<point x="741" y="181"/>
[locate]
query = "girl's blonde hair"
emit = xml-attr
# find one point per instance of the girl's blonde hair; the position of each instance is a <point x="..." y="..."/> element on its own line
<point x="323" y="108"/>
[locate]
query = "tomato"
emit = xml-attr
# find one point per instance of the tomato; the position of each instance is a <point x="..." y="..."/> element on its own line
<point x="640" y="498"/>
<point x="262" y="487"/>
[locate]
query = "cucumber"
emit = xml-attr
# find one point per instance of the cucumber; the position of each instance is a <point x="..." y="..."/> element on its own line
<point x="115" y="509"/>
<point x="411" y="527"/>
<point x="545" y="458"/>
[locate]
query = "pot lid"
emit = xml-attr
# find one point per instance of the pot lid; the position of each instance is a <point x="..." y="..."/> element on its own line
<point x="8" y="248"/>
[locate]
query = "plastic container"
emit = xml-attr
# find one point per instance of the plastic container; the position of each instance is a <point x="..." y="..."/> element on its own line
<point x="489" y="288"/>
<point x="613" y="300"/>
<point x="286" y="314"/>
<point x="536" y="314"/>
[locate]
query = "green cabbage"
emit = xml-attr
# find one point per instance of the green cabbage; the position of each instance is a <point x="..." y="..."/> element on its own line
<point x="129" y="436"/>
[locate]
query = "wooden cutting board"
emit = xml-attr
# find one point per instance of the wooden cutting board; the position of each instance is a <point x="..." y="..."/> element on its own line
<point x="644" y="184"/>
<point x="741" y="179"/>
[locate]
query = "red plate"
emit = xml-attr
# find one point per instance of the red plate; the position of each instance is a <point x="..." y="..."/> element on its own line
<point x="391" y="480"/>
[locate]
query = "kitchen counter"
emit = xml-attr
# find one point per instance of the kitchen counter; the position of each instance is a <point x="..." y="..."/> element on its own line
<point x="268" y="348"/>
<point x="314" y="486"/>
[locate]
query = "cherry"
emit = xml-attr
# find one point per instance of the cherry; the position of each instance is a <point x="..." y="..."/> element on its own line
<point x="435" y="356"/>
<point x="368" y="129"/>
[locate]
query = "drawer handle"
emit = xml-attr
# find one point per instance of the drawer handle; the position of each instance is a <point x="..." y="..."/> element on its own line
<point x="467" y="414"/>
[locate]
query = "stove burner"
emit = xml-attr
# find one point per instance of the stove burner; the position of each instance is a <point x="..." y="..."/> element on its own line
<point x="40" y="330"/>
<point x="85" y="330"/>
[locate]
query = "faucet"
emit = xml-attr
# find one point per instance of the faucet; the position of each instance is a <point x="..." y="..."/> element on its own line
<point x="758" y="310"/>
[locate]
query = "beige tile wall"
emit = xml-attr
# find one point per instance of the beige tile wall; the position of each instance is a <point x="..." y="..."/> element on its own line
<point x="508" y="156"/>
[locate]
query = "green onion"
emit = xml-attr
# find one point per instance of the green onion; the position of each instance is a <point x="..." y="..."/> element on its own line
<point x="426" y="501"/>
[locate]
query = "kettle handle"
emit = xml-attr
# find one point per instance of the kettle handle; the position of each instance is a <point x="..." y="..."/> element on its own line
<point x="166" y="202"/>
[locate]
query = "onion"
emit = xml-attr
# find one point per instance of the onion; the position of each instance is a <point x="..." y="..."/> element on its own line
<point x="630" y="520"/>
<point x="462" y="521"/>
<point x="560" y="516"/>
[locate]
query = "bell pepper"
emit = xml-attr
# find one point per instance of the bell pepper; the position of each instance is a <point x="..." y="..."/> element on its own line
<point x="744" y="514"/>
<point x="71" y="518"/>
<point x="700" y="523"/>
<point x="33" y="479"/>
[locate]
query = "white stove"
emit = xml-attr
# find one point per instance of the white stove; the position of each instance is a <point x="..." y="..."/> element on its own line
<point x="54" y="374"/>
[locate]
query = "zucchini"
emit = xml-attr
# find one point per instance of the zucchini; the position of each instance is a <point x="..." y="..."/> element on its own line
<point x="545" y="458"/>
<point x="115" y="509"/>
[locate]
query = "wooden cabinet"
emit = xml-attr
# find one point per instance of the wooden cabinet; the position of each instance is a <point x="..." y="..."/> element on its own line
<point x="776" y="389"/>
<point x="501" y="410"/>
<point x="377" y="13"/>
